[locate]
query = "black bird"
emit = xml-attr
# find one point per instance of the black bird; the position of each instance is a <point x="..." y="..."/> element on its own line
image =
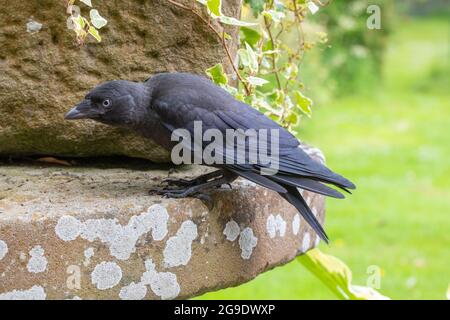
<point x="170" y="101"/>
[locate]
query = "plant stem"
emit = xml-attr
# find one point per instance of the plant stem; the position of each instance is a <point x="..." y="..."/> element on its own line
<point x="274" y="63"/>
<point x="222" y="40"/>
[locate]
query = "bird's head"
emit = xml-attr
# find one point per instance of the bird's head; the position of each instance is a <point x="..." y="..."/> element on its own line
<point x="116" y="103"/>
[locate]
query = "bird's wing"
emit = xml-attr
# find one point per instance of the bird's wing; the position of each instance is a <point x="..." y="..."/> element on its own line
<point x="179" y="105"/>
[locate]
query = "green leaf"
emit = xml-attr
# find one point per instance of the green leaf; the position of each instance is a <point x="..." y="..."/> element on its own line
<point x="80" y="22"/>
<point x="94" y="32"/>
<point x="253" y="58"/>
<point x="276" y="97"/>
<point x="232" y="90"/>
<point x="274" y="15"/>
<point x="235" y="22"/>
<point x="292" y="118"/>
<point x="250" y="36"/>
<point x="337" y="276"/>
<point x="217" y="74"/>
<point x="87" y="2"/>
<point x="302" y="102"/>
<point x="227" y="36"/>
<point x="255" y="81"/>
<point x="290" y="71"/>
<point x="214" y="6"/>
<point x="244" y="59"/>
<point x="97" y="20"/>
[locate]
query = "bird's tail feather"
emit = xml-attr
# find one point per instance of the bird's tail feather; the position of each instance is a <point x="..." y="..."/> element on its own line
<point x="294" y="197"/>
<point x="261" y="180"/>
<point x="286" y="186"/>
<point x="308" y="184"/>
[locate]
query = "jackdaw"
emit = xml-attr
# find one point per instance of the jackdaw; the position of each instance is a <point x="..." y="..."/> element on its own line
<point x="166" y="102"/>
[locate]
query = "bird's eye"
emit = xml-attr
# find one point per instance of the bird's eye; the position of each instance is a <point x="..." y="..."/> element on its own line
<point x="106" y="103"/>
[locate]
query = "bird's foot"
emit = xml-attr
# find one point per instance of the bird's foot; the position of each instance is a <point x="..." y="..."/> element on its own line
<point x="202" y="179"/>
<point x="183" y="193"/>
<point x="179" y="182"/>
<point x="173" y="192"/>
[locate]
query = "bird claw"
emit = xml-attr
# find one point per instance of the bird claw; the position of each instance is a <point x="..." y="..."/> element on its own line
<point x="170" y="193"/>
<point x="178" y="182"/>
<point x="159" y="191"/>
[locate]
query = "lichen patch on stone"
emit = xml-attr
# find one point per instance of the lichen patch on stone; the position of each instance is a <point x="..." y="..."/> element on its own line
<point x="305" y="242"/>
<point x="296" y="224"/>
<point x="247" y="241"/>
<point x="88" y="254"/>
<point x="178" y="248"/>
<point x="38" y="262"/>
<point x="133" y="291"/>
<point x="34" y="293"/>
<point x="3" y="249"/>
<point x="159" y="218"/>
<point x="33" y="26"/>
<point x="120" y="239"/>
<point x="231" y="230"/>
<point x="275" y="224"/>
<point x="106" y="275"/>
<point x="317" y="241"/>
<point x="68" y="228"/>
<point x="163" y="284"/>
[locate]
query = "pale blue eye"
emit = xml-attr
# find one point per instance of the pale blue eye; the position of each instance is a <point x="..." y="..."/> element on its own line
<point x="106" y="103"/>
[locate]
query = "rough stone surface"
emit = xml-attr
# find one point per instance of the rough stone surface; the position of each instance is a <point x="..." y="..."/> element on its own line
<point x="43" y="72"/>
<point x="95" y="233"/>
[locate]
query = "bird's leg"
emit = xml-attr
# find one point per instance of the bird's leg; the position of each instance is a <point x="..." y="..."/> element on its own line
<point x="226" y="178"/>
<point x="191" y="182"/>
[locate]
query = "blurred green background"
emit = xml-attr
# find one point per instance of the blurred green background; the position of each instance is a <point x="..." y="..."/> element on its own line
<point x="382" y="118"/>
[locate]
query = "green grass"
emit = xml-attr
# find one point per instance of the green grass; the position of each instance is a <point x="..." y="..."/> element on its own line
<point x="395" y="145"/>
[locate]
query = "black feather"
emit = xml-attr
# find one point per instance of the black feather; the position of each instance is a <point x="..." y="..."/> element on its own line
<point x="261" y="180"/>
<point x="294" y="197"/>
<point x="308" y="184"/>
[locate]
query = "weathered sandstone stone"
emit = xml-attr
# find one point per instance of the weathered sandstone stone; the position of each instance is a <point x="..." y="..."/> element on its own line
<point x="43" y="72"/>
<point x="94" y="233"/>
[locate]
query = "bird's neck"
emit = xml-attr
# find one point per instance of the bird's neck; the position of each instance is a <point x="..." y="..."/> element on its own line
<point x="145" y="122"/>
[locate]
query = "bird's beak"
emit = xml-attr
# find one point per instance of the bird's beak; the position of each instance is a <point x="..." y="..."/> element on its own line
<point x="82" y="110"/>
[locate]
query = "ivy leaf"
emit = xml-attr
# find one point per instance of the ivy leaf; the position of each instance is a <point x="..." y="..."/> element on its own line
<point x="337" y="276"/>
<point x="214" y="6"/>
<point x="276" y="97"/>
<point x="94" y="32"/>
<point x="255" y="81"/>
<point x="250" y="36"/>
<point x="253" y="58"/>
<point x="217" y="74"/>
<point x="87" y="2"/>
<point x="313" y="8"/>
<point x="243" y="57"/>
<point x="274" y="15"/>
<point x="235" y="22"/>
<point x="265" y="63"/>
<point x="227" y="36"/>
<point x="79" y="21"/>
<point x="290" y="71"/>
<point x="215" y="10"/>
<point x="302" y="102"/>
<point x="292" y="118"/>
<point x="97" y="20"/>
